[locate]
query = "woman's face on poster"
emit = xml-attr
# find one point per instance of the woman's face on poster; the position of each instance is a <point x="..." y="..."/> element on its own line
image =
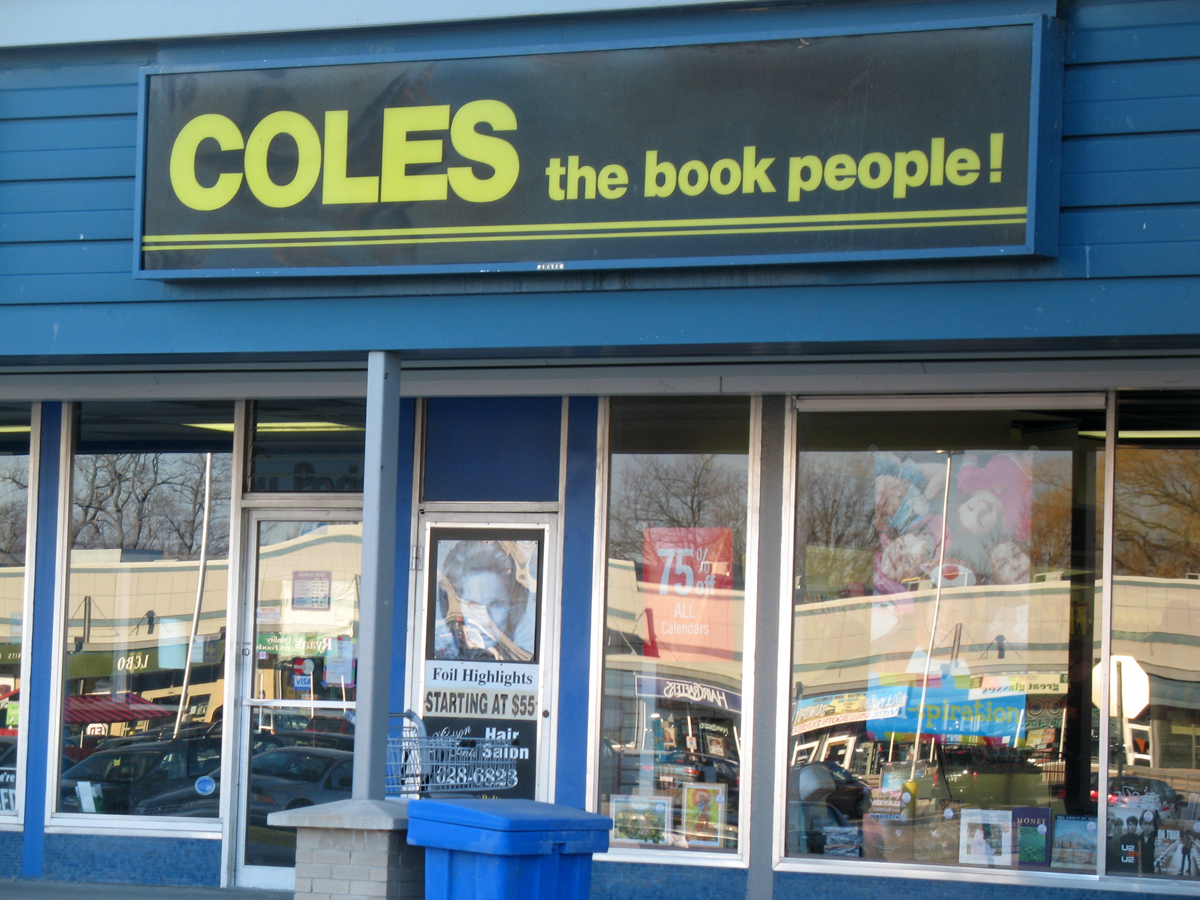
<point x="486" y="607"/>
<point x="980" y="512"/>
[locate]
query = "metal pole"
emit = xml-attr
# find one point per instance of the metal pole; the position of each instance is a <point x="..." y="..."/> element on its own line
<point x="380" y="480"/>
<point x="187" y="663"/>
<point x="937" y="603"/>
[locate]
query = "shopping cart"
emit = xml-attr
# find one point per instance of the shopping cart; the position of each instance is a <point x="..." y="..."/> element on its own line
<point x="419" y="763"/>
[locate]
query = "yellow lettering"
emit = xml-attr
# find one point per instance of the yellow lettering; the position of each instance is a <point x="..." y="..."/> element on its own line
<point x="798" y="181"/>
<point x="726" y="175"/>
<point x="653" y="170"/>
<point x="840" y="172"/>
<point x="308" y="159"/>
<point x="484" y="148"/>
<point x="192" y="193"/>
<point x="612" y="182"/>
<point x="396" y="185"/>
<point x="874" y="161"/>
<point x="336" y="185"/>
<point x="906" y="177"/>
<point x="962" y="167"/>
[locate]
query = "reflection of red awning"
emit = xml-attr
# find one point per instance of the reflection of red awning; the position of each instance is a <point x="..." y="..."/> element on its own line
<point x="89" y="708"/>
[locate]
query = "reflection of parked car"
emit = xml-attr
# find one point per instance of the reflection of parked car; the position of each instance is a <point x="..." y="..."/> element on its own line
<point x="1139" y="792"/>
<point x="334" y="724"/>
<point x="830" y="783"/>
<point x="285" y="778"/>
<point x="816" y="827"/>
<point x="325" y="739"/>
<point x="274" y="720"/>
<point x="124" y="776"/>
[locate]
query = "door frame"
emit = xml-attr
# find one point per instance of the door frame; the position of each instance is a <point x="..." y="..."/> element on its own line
<point x="240" y="702"/>
<point x="531" y="516"/>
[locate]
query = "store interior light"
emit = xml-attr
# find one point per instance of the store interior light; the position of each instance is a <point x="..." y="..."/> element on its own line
<point x="1147" y="435"/>
<point x="280" y="427"/>
<point x="14" y="429"/>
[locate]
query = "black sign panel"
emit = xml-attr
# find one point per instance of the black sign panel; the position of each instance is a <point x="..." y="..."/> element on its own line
<point x="839" y="147"/>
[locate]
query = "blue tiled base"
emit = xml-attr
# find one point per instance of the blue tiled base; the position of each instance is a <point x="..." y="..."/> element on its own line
<point x="10" y="854"/>
<point x="813" y="886"/>
<point x="631" y="881"/>
<point x="132" y="860"/>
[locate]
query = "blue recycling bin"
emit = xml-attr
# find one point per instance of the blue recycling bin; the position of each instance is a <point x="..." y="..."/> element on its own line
<point x="506" y="849"/>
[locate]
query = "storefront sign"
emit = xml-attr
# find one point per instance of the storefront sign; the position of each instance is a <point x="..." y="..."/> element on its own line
<point x="687" y="576"/>
<point x="813" y="713"/>
<point x="831" y="147"/>
<point x="688" y="691"/>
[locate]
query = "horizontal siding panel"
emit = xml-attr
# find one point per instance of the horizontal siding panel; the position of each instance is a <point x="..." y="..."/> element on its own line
<point x="1135" y="43"/>
<point x="66" y="226"/>
<point x="81" y="257"/>
<point x="70" y="72"/>
<point x="1126" y="225"/>
<point x="1131" y="188"/>
<point x="84" y="132"/>
<point x="1151" y="152"/>
<point x="1143" y="12"/>
<point x="1133" y="81"/>
<point x="50" y="103"/>
<point x="66" y="196"/>
<point x="50" y="165"/>
<point x="1130" y="260"/>
<point x="1131" y="116"/>
<point x="110" y="287"/>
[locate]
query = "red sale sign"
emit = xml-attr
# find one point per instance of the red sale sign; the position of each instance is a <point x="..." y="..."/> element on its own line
<point x="687" y="581"/>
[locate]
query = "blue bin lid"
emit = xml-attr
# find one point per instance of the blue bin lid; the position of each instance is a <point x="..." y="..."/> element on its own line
<point x="508" y="815"/>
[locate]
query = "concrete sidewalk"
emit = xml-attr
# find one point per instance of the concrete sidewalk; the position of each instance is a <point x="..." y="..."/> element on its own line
<point x="53" y="890"/>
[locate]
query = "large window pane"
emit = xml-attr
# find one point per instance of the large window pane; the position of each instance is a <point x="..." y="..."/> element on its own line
<point x="14" y="500"/>
<point x="944" y="633"/>
<point x="144" y="655"/>
<point x="670" y="755"/>
<point x="1153" y="789"/>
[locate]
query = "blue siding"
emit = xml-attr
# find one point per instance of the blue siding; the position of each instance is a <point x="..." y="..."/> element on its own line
<point x="1130" y="197"/>
<point x="133" y="860"/>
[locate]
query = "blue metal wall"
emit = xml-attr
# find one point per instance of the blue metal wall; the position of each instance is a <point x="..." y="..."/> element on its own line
<point x="1128" y="266"/>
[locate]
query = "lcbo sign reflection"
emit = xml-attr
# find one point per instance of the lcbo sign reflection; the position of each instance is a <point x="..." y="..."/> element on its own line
<point x="761" y="151"/>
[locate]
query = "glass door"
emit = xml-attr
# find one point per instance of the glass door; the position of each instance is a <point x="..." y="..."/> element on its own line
<point x="485" y="643"/>
<point x="299" y="687"/>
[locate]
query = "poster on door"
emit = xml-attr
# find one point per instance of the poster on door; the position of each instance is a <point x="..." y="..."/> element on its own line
<point x="482" y="673"/>
<point x="692" y="610"/>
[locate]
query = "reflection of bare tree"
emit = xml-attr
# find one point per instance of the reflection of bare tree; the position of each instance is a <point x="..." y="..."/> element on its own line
<point x="149" y="501"/>
<point x="684" y="491"/>
<point x="836" y="504"/>
<point x="1050" y="537"/>
<point x="14" y="499"/>
<point x="1157" y="512"/>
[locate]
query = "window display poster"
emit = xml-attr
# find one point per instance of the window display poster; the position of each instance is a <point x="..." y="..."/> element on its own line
<point x="1073" y="845"/>
<point x="484" y="594"/>
<point x="703" y="814"/>
<point x="1033" y="826"/>
<point x="687" y="576"/>
<point x="481" y="674"/>
<point x="985" y="837"/>
<point x="641" y="820"/>
<point x="1177" y="850"/>
<point x="312" y="590"/>
<point x="936" y="833"/>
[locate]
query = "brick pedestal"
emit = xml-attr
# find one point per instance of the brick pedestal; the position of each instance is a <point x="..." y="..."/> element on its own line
<point x="355" y="849"/>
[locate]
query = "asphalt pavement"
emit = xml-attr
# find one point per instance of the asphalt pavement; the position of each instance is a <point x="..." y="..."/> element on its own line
<point x="53" y="890"/>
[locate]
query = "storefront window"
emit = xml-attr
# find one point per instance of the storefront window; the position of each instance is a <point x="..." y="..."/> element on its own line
<point x="670" y="754"/>
<point x="143" y="662"/>
<point x="944" y="634"/>
<point x="14" y="501"/>
<point x="1153" y="785"/>
<point x="307" y="446"/>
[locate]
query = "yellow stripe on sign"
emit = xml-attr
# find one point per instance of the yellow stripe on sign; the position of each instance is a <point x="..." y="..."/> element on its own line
<point x="215" y="242"/>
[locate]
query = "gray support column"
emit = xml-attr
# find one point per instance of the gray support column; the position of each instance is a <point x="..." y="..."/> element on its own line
<point x="378" y="574"/>
<point x="760" y="881"/>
